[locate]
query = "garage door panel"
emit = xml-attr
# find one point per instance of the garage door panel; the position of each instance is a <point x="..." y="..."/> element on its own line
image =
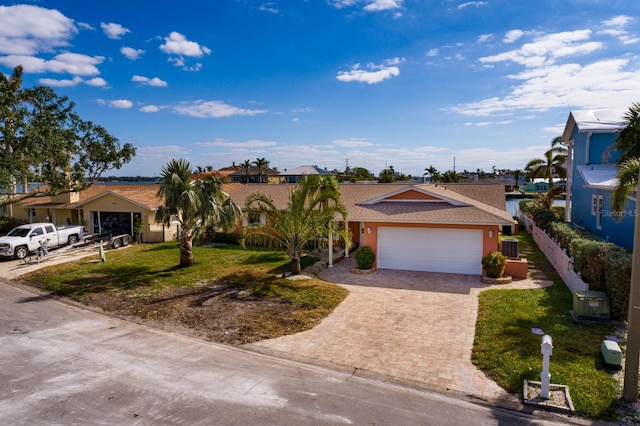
<point x="428" y="249"/>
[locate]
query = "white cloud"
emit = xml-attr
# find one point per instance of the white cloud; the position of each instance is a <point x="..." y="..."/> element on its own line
<point x="150" y="108"/>
<point x="131" y="53"/>
<point x="114" y="31"/>
<point x="374" y="74"/>
<point x="433" y="52"/>
<point x="61" y="83"/>
<point x="472" y="3"/>
<point x="513" y="36"/>
<point x="155" y="82"/>
<point x="27" y="30"/>
<point x="121" y="103"/>
<point x="95" y="82"/>
<point x="177" y="44"/>
<point x="615" y="27"/>
<point x="378" y="5"/>
<point x="609" y="84"/>
<point x="617" y="21"/>
<point x="71" y="63"/>
<point x="269" y="7"/>
<point x="485" y="38"/>
<point x="213" y="109"/>
<point x="85" y="26"/>
<point x="546" y="49"/>
<point x="352" y="142"/>
<point x="369" y="5"/>
<point x="252" y="143"/>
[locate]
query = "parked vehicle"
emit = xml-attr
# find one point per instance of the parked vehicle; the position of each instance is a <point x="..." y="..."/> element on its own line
<point x="25" y="239"/>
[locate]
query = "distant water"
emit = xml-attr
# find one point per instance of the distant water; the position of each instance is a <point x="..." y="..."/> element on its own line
<point x="512" y="205"/>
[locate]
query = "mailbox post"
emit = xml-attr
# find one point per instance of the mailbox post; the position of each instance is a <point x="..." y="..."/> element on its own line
<point x="545" y="376"/>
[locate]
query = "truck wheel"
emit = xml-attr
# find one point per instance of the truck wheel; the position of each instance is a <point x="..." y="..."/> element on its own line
<point x="125" y="241"/>
<point x="116" y="243"/>
<point x="72" y="239"/>
<point x="21" y="252"/>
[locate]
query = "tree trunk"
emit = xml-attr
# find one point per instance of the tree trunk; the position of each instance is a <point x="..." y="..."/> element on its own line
<point x="295" y="265"/>
<point x="186" y="252"/>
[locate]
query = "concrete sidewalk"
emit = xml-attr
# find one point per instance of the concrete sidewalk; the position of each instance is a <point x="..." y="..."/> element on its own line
<point x="411" y="328"/>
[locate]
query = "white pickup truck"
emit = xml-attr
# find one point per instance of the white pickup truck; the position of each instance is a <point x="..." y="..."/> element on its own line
<point x="25" y="239"/>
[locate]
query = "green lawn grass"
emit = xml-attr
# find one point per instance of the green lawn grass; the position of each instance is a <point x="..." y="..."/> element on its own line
<point x="152" y="268"/>
<point x="506" y="349"/>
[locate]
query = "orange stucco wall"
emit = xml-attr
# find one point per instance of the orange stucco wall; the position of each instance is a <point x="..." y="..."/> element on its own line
<point x="489" y="244"/>
<point x="412" y="195"/>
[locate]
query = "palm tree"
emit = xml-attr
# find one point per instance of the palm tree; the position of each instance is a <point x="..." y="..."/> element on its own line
<point x="628" y="143"/>
<point x="247" y="168"/>
<point x="431" y="172"/>
<point x="194" y="203"/>
<point x="552" y="163"/>
<point x="262" y="164"/>
<point x="310" y="213"/>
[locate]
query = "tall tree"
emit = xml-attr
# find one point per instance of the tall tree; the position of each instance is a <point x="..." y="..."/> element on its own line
<point x="552" y="163"/>
<point x="430" y="172"/>
<point x="247" y="169"/>
<point x="628" y="143"/>
<point x="262" y="164"/>
<point x="194" y="204"/>
<point x="387" y="175"/>
<point x="43" y="140"/>
<point x="311" y="212"/>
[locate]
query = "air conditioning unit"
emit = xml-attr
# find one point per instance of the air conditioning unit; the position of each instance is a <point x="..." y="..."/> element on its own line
<point x="593" y="305"/>
<point x="510" y="247"/>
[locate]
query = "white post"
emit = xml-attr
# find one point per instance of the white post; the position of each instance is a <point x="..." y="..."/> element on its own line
<point x="330" y="249"/>
<point x="346" y="243"/>
<point x="545" y="376"/>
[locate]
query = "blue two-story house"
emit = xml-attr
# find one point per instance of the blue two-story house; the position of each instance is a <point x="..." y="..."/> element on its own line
<point x="591" y="176"/>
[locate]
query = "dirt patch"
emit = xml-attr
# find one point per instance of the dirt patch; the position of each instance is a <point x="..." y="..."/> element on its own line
<point x="210" y="311"/>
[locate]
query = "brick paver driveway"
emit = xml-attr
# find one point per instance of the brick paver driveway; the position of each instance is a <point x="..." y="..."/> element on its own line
<point x="413" y="328"/>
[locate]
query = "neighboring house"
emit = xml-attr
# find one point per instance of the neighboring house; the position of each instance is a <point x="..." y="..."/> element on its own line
<point x="425" y="227"/>
<point x="254" y="175"/>
<point x="104" y="209"/>
<point x="591" y="176"/>
<point x="294" y="175"/>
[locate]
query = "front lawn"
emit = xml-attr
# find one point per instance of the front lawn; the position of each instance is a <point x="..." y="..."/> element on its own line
<point x="507" y="350"/>
<point x="230" y="294"/>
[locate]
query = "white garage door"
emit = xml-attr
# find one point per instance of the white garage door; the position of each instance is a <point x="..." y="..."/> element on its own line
<point x="432" y="250"/>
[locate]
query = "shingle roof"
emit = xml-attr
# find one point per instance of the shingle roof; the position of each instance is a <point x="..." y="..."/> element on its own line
<point x="366" y="202"/>
<point x="306" y="170"/>
<point x="144" y="195"/>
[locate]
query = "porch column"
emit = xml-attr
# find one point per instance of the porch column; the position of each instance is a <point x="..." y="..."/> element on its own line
<point x="348" y="242"/>
<point x="330" y="249"/>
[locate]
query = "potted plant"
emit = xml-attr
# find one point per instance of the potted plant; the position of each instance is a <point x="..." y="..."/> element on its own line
<point x="494" y="264"/>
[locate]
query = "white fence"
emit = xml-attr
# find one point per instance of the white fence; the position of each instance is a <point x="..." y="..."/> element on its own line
<point x="562" y="263"/>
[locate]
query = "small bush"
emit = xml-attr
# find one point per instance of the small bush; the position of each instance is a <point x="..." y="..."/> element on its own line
<point x="494" y="264"/>
<point x="364" y="257"/>
<point x="7" y="224"/>
<point x="226" y="238"/>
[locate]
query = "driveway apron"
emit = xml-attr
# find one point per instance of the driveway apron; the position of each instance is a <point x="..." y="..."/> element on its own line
<point x="413" y="328"/>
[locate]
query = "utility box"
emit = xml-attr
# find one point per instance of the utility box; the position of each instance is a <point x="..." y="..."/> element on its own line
<point x="592" y="305"/>
<point x="611" y="353"/>
<point x="510" y="247"/>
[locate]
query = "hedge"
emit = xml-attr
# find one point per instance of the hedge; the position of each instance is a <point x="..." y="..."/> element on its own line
<point x="604" y="266"/>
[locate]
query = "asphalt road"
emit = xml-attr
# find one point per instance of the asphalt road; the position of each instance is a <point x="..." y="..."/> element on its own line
<point x="61" y="364"/>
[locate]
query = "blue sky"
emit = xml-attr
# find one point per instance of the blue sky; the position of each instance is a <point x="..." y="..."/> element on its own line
<point x="376" y="83"/>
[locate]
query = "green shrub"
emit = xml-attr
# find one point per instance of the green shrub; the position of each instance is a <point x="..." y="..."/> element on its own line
<point x="543" y="218"/>
<point x="7" y="224"/>
<point x="494" y="264"/>
<point x="226" y="238"/>
<point x="364" y="257"/>
<point x="617" y="281"/>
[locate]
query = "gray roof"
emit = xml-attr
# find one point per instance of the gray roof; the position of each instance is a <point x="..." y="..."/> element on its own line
<point x="306" y="170"/>
<point x="599" y="175"/>
<point x="596" y="121"/>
